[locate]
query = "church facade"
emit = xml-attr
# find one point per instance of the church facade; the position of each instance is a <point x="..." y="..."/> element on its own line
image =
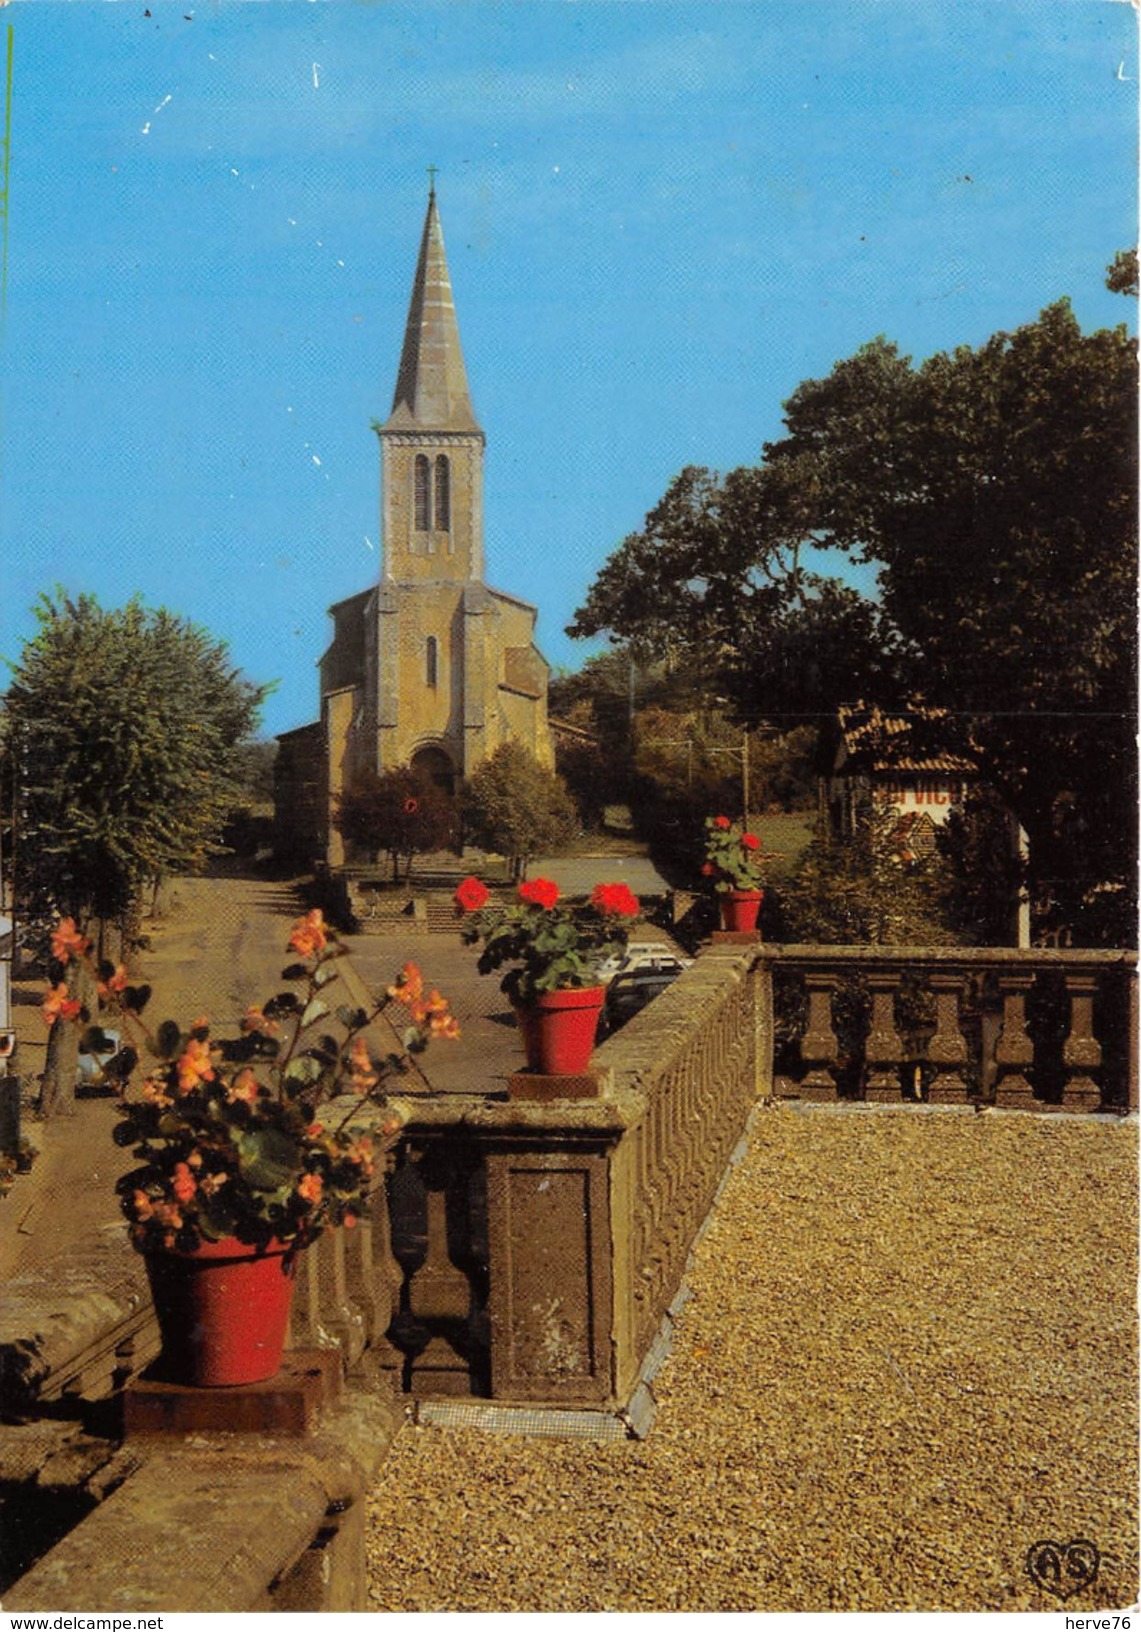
<point x="430" y="667"/>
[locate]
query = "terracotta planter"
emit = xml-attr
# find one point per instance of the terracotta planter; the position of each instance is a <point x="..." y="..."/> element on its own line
<point x="222" y="1311"/>
<point x="559" y="1029"/>
<point x="740" y="909"/>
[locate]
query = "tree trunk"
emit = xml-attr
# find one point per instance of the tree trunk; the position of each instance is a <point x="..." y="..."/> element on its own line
<point x="57" y="1086"/>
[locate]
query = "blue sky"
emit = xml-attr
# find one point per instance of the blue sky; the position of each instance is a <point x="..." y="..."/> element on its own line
<point x="660" y="218"/>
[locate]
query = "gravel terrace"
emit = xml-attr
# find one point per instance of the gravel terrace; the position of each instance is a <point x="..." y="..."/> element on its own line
<point x="910" y="1355"/>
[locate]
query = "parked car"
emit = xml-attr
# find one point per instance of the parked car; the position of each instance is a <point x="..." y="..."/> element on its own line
<point x="630" y="991"/>
<point x="642" y="955"/>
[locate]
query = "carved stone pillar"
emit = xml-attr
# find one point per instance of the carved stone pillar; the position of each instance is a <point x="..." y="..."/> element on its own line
<point x="1081" y="1052"/>
<point x="1014" y="1049"/>
<point x="884" y="1048"/>
<point x="435" y="1241"/>
<point x="323" y="1316"/>
<point x="947" y="1049"/>
<point x="819" y="1047"/>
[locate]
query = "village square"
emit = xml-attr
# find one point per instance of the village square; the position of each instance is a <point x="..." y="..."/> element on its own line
<point x="482" y="1131"/>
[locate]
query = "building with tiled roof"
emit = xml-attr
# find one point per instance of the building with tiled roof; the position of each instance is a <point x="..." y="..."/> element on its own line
<point x="914" y="759"/>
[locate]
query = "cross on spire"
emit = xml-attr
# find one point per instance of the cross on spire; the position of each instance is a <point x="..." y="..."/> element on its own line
<point x="432" y="180"/>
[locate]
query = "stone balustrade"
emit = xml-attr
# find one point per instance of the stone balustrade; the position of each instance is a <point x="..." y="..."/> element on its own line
<point x="531" y="1254"/>
<point x="539" y="1246"/>
<point x="1038" y="1029"/>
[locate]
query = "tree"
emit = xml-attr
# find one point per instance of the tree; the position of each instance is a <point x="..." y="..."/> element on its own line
<point x="867" y="890"/>
<point x="1121" y="273"/>
<point x="121" y="734"/>
<point x="401" y="812"/>
<point x="518" y="808"/>
<point x="996" y="487"/>
<point x="995" y="490"/>
<point x="716" y="588"/>
<point x="594" y="778"/>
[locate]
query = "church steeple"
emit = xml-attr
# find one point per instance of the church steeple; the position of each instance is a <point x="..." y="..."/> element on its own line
<point x="431" y="443"/>
<point x="431" y="387"/>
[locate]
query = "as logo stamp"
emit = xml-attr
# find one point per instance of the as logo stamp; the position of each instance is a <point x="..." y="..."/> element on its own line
<point x="1063" y="1567"/>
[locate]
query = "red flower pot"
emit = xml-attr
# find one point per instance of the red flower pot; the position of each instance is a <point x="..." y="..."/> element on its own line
<point x="739" y="910"/>
<point x="222" y="1311"/>
<point x="559" y="1030"/>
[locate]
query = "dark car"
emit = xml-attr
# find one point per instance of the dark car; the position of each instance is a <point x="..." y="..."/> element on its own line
<point x="628" y="993"/>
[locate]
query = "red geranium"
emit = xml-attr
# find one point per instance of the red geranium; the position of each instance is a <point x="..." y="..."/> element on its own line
<point x="472" y="895"/>
<point x="545" y="942"/>
<point x="722" y="823"/>
<point x="539" y="892"/>
<point x="750" y="841"/>
<point x="616" y="898"/>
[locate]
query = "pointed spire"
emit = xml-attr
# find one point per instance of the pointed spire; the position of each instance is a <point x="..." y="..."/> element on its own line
<point x="431" y="387"/>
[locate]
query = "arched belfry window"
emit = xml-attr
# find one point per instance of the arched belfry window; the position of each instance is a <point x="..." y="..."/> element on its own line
<point x="422" y="493"/>
<point x="443" y="494"/>
<point x="432" y="661"/>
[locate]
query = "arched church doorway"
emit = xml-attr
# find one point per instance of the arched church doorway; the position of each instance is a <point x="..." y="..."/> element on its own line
<point x="436" y="763"/>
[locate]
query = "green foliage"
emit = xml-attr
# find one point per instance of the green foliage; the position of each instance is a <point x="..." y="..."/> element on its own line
<point x="550" y="944"/>
<point x="1121" y="273"/>
<point x="985" y="875"/>
<point x="715" y="587"/>
<point x="861" y="891"/>
<point x="263" y="1135"/>
<point x="518" y="808"/>
<point x="997" y="488"/>
<point x="593" y="777"/>
<point x="400" y="812"/>
<point x="123" y="730"/>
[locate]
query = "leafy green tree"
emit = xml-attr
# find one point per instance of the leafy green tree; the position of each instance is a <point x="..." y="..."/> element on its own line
<point x="122" y="729"/>
<point x="400" y="812"/>
<point x="1121" y="273"/>
<point x="996" y="487"/>
<point x="995" y="490"/>
<point x="716" y="587"/>
<point x="518" y="808"/>
<point x="594" y="778"/>
<point x="867" y="889"/>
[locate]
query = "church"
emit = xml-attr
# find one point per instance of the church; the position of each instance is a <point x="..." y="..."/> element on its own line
<point x="430" y="667"/>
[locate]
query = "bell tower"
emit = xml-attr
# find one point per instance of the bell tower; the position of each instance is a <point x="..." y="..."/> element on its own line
<point x="431" y="445"/>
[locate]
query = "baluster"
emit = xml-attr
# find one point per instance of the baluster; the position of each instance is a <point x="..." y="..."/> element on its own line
<point x="1014" y="1049"/>
<point x="321" y="1316"/>
<point x="948" y="1047"/>
<point x="883" y="1051"/>
<point x="819" y="1047"/>
<point x="1081" y="1052"/>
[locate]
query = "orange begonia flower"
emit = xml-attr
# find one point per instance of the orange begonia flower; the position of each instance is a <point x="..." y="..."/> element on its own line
<point x="409" y="986"/>
<point x="58" y="1004"/>
<point x="362" y="1077"/>
<point x="194" y="1066"/>
<point x="310" y="1187"/>
<point x="184" y="1184"/>
<point x="244" y="1086"/>
<point x="255" y="1020"/>
<point x="310" y="934"/>
<point x="116" y="983"/>
<point x="67" y="942"/>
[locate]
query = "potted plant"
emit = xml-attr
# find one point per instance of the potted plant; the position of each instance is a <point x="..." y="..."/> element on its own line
<point x="733" y="861"/>
<point x="554" y="948"/>
<point x="249" y="1147"/>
